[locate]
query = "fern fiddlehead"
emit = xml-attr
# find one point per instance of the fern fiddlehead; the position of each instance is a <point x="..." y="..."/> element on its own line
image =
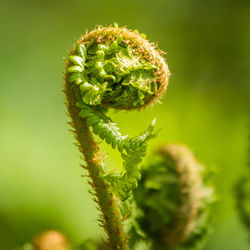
<point x="174" y="198"/>
<point x="112" y="67"/>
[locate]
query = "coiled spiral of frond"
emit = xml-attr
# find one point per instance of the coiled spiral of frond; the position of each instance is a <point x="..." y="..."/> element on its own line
<point x="174" y="198"/>
<point x="113" y="67"/>
<point x="117" y="68"/>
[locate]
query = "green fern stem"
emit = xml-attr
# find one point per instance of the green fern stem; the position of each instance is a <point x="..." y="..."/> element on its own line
<point x="112" y="219"/>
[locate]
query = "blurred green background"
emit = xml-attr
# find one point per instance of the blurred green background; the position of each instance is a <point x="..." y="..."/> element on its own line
<point x="206" y="106"/>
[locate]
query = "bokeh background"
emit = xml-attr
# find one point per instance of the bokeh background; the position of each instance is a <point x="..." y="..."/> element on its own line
<point x="206" y="107"/>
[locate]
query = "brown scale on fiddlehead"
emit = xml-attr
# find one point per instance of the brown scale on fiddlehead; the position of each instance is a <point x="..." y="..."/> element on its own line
<point x="112" y="67"/>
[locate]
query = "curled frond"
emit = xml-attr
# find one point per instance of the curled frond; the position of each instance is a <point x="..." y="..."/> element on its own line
<point x="116" y="67"/>
<point x="174" y="197"/>
<point x="113" y="67"/>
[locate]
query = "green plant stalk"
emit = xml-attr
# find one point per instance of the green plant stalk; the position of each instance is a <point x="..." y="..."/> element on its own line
<point x="112" y="219"/>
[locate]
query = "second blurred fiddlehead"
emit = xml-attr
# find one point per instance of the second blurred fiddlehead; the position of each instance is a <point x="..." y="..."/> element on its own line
<point x="174" y="198"/>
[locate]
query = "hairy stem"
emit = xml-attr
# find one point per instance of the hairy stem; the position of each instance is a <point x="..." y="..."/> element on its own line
<point x="111" y="216"/>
